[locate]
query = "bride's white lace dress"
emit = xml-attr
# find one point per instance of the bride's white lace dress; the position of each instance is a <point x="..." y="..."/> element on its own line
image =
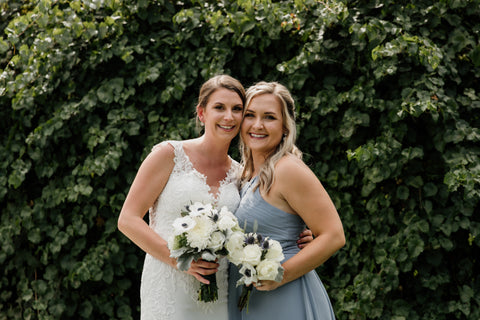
<point x="165" y="292"/>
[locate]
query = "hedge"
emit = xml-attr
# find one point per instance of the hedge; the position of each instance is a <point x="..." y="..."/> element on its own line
<point x="388" y="98"/>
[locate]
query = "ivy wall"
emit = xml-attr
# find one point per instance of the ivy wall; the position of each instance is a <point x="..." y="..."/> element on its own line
<point x="388" y="97"/>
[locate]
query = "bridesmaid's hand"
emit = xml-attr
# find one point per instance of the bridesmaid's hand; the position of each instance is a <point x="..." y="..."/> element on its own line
<point x="267" y="285"/>
<point x="304" y="238"/>
<point x="201" y="268"/>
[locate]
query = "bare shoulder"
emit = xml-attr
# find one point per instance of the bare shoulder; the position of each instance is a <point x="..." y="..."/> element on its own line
<point x="163" y="150"/>
<point x="160" y="159"/>
<point x="291" y="168"/>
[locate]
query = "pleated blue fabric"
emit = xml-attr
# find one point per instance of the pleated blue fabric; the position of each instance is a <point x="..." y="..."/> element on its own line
<point x="303" y="298"/>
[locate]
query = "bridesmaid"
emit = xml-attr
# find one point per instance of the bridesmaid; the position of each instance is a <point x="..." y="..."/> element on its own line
<point x="280" y="195"/>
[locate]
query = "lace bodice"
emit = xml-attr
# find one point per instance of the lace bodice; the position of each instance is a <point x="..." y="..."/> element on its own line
<point x="163" y="286"/>
<point x="187" y="185"/>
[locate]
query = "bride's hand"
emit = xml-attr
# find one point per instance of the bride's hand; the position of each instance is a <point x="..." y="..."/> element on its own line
<point x="304" y="238"/>
<point x="201" y="268"/>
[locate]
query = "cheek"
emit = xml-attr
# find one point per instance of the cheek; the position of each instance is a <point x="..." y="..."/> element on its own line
<point x="244" y="128"/>
<point x="277" y="132"/>
<point x="238" y="117"/>
<point x="244" y="124"/>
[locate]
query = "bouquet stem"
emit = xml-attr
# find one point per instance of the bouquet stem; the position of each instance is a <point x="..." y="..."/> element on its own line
<point x="244" y="297"/>
<point x="208" y="292"/>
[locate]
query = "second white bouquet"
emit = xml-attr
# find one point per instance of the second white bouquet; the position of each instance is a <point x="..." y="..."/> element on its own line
<point x="202" y="233"/>
<point x="257" y="258"/>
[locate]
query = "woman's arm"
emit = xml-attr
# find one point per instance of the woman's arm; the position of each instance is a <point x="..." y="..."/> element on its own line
<point x="151" y="178"/>
<point x="149" y="182"/>
<point x="297" y="190"/>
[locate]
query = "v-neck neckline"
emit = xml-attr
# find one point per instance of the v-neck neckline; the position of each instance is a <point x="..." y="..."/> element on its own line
<point x="214" y="196"/>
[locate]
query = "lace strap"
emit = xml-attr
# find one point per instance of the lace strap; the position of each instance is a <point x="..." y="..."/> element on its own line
<point x="182" y="163"/>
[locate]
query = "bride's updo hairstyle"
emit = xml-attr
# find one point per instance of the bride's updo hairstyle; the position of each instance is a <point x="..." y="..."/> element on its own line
<point x="286" y="146"/>
<point x="214" y="83"/>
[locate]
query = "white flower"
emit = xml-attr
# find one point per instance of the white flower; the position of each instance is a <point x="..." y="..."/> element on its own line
<point x="267" y="270"/>
<point x="252" y="254"/>
<point x="227" y="222"/>
<point x="181" y="225"/>
<point x="234" y="247"/>
<point x="199" y="236"/>
<point x="249" y="275"/>
<point x="235" y="257"/>
<point x="199" y="208"/>
<point x="217" y="239"/>
<point x="225" y="212"/>
<point x="235" y="241"/>
<point x="274" y="251"/>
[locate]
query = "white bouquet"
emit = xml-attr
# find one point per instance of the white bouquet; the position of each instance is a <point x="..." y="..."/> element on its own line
<point x="202" y="232"/>
<point x="257" y="258"/>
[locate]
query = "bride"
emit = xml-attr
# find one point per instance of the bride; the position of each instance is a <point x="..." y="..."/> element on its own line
<point x="174" y="174"/>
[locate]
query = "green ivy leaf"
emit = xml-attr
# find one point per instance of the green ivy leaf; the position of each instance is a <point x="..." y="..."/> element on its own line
<point x="403" y="193"/>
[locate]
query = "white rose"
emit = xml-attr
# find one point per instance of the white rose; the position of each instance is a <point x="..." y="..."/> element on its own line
<point x="181" y="225"/>
<point x="234" y="247"/>
<point x="235" y="257"/>
<point x="225" y="212"/>
<point x="236" y="241"/>
<point x="267" y="270"/>
<point x="217" y="239"/>
<point x="227" y="222"/>
<point x="252" y="254"/>
<point x="274" y="251"/>
<point x="199" y="236"/>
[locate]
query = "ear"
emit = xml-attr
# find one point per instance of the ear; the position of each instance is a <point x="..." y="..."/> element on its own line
<point x="201" y="113"/>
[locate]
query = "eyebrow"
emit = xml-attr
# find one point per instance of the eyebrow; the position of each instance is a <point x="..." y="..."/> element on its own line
<point x="220" y="103"/>
<point x="269" y="112"/>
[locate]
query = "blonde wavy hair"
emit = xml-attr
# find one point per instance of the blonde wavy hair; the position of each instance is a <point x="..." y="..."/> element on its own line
<point x="286" y="146"/>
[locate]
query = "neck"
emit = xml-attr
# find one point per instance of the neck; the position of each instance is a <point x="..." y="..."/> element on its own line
<point x="258" y="161"/>
<point x="217" y="150"/>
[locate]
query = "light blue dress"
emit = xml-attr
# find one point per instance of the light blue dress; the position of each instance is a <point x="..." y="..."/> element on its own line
<point x="304" y="298"/>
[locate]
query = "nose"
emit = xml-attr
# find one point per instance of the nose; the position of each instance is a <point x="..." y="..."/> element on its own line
<point x="228" y="115"/>
<point x="257" y="123"/>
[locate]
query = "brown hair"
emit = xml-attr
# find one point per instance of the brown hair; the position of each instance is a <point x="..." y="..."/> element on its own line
<point x="217" y="82"/>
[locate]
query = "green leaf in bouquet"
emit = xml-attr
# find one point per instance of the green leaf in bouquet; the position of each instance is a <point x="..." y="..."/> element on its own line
<point x="184" y="262"/>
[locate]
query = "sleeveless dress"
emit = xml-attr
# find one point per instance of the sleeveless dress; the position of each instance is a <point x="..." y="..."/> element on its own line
<point x="304" y="298"/>
<point x="165" y="292"/>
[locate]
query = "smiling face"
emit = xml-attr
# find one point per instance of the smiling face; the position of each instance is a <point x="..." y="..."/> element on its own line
<point x="262" y="128"/>
<point x="222" y="114"/>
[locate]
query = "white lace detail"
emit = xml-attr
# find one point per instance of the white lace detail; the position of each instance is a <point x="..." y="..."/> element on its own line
<point x="167" y="293"/>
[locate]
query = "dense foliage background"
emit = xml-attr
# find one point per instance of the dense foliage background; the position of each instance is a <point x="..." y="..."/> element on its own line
<point x="388" y="97"/>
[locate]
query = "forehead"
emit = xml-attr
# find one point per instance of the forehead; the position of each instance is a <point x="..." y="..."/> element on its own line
<point x="265" y="103"/>
<point x="224" y="96"/>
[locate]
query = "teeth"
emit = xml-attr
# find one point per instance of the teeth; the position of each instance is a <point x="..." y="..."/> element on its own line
<point x="258" y="135"/>
<point x="226" y="127"/>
